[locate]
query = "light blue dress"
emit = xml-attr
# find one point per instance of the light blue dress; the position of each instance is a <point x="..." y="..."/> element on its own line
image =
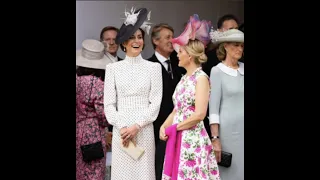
<point x="226" y="107"/>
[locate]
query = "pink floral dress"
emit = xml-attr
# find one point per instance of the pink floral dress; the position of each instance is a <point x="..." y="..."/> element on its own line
<point x="197" y="159"/>
<point x="90" y="125"/>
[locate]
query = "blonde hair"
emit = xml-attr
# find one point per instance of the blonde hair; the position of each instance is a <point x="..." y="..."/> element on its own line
<point x="221" y="52"/>
<point x="196" y="49"/>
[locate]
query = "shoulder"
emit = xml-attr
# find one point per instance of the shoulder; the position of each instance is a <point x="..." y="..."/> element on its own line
<point x="152" y="64"/>
<point x="201" y="73"/>
<point x="109" y="67"/>
<point x="153" y="58"/>
<point x="202" y="76"/>
<point x="241" y="64"/>
<point x="215" y="70"/>
<point x="114" y="65"/>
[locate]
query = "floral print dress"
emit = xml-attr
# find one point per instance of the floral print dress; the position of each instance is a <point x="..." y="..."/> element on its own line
<point x="197" y="159"/>
<point x="90" y="125"/>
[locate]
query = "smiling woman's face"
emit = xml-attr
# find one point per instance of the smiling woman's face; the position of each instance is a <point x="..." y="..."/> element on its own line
<point x="134" y="45"/>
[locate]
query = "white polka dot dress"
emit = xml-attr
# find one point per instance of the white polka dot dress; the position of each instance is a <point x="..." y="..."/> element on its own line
<point x="132" y="94"/>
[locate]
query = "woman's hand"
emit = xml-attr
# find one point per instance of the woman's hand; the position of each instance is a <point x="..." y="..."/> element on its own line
<point x="122" y="132"/>
<point x="217" y="149"/>
<point x="130" y="133"/>
<point x="108" y="140"/>
<point x="162" y="134"/>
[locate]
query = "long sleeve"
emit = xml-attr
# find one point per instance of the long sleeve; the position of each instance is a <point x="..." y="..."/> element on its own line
<point x="215" y="96"/>
<point x="155" y="96"/>
<point x="110" y="99"/>
<point x="98" y="102"/>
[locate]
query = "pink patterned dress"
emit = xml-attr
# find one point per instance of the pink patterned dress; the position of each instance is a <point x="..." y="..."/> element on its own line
<point x="196" y="158"/>
<point x="90" y="125"/>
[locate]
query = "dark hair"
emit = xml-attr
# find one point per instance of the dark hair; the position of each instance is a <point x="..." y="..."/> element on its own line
<point x="241" y="27"/>
<point x="156" y="31"/>
<point x="107" y="29"/>
<point x="226" y="18"/>
<point x="122" y="47"/>
<point x="84" y="71"/>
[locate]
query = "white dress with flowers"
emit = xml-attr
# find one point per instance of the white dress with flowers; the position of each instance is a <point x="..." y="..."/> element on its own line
<point x="197" y="159"/>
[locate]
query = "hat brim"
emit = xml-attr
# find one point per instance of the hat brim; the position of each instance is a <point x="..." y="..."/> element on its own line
<point x="232" y="38"/>
<point x="126" y="31"/>
<point x="95" y="64"/>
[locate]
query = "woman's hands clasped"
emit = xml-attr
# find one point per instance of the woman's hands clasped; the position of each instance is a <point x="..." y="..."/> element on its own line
<point x="128" y="134"/>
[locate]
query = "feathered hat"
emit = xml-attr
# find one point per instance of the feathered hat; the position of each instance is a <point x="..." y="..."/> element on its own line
<point x="134" y="20"/>
<point x="195" y="29"/>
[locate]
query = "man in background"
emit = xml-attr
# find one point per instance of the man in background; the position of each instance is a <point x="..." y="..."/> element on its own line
<point x="171" y="74"/>
<point x="108" y="37"/>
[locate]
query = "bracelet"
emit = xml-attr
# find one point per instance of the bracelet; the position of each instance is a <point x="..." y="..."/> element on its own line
<point x="215" y="137"/>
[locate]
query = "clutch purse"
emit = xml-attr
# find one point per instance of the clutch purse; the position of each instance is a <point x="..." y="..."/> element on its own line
<point x="133" y="151"/>
<point x="226" y="159"/>
<point x="92" y="152"/>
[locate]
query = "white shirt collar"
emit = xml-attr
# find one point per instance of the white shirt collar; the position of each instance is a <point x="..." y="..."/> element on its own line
<point x="230" y="71"/>
<point x="160" y="57"/>
<point x="111" y="57"/>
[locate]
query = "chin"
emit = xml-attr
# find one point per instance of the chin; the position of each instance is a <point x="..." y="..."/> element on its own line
<point x="170" y="50"/>
<point x="238" y="57"/>
<point x="136" y="51"/>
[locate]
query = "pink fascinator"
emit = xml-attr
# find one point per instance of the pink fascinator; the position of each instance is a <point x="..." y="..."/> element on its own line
<point x="195" y="29"/>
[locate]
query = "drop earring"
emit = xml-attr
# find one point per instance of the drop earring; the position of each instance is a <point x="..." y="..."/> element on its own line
<point x="124" y="49"/>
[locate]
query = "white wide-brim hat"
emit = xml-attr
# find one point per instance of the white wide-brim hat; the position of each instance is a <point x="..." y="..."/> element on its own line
<point x="231" y="35"/>
<point x="91" y="55"/>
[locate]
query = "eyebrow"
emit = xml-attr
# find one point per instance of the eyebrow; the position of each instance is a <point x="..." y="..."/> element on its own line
<point x="137" y="35"/>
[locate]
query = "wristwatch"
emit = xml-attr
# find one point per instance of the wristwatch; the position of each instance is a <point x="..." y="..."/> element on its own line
<point x="214" y="138"/>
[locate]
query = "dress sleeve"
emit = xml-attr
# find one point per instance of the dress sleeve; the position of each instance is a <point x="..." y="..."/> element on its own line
<point x="155" y="96"/>
<point x="110" y="99"/>
<point x="98" y="102"/>
<point x="215" y="96"/>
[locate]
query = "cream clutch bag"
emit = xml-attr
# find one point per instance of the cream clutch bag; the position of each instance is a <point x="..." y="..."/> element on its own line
<point x="133" y="151"/>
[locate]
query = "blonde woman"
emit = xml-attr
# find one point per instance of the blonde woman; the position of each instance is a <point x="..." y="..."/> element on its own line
<point x="189" y="153"/>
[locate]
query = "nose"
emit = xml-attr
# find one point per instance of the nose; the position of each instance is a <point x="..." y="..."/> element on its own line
<point x="112" y="41"/>
<point x="136" y="39"/>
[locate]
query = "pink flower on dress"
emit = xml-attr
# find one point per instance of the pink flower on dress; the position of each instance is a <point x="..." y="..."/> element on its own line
<point x="181" y="174"/>
<point x="191" y="163"/>
<point x="203" y="132"/>
<point x="203" y="174"/>
<point x="186" y="145"/>
<point x="179" y="104"/>
<point x="199" y="160"/>
<point x="182" y="90"/>
<point x="197" y="170"/>
<point x="214" y="172"/>
<point x="197" y="150"/>
<point x="184" y="117"/>
<point x="191" y="108"/>
<point x="208" y="147"/>
<point x="192" y="78"/>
